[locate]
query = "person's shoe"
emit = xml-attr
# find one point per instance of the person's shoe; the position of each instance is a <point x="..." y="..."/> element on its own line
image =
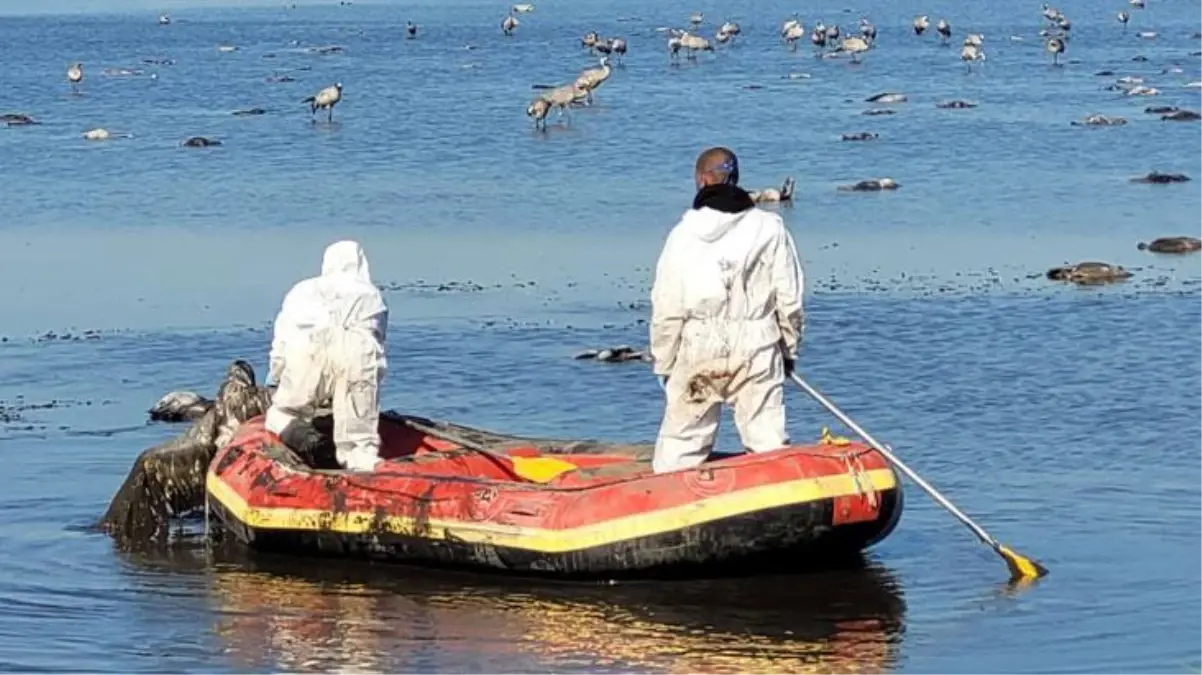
<point x="355" y="467"/>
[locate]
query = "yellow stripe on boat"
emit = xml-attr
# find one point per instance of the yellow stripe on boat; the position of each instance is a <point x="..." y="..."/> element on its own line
<point x="544" y="540"/>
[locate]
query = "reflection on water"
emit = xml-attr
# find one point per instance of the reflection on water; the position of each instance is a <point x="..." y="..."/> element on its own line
<point x="280" y="614"/>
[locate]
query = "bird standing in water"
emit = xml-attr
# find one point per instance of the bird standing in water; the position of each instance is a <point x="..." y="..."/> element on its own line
<point x="1055" y="47"/>
<point x="75" y="76"/>
<point x="326" y="98"/>
<point x="410" y="29"/>
<point x="945" y="31"/>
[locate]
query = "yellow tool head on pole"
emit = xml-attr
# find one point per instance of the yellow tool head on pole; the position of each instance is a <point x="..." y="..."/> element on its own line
<point x="1022" y="568"/>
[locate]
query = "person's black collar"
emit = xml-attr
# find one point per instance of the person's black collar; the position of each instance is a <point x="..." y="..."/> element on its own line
<point x="723" y="197"/>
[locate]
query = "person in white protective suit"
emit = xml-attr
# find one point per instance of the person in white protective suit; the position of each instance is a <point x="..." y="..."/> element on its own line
<point x="328" y="345"/>
<point x="726" y="319"/>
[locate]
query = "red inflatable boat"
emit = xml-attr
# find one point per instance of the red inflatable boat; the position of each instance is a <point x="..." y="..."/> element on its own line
<point x="462" y="503"/>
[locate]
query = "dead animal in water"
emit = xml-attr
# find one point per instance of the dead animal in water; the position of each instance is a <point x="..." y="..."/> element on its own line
<point x="1161" y="178"/>
<point x="887" y="97"/>
<point x="200" y="142"/>
<point x="168" y="480"/>
<point x="613" y="355"/>
<point x="180" y="406"/>
<point x="774" y="195"/>
<point x="860" y="136"/>
<point x="17" y="119"/>
<point x="1172" y="245"/>
<point x="1181" y="116"/>
<point x="1099" y="121"/>
<point x="1089" y="273"/>
<point x="955" y="104"/>
<point x="873" y="185"/>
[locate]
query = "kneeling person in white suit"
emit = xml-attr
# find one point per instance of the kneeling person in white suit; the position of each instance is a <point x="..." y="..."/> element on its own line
<point x="328" y="345"/>
<point x="726" y="319"/>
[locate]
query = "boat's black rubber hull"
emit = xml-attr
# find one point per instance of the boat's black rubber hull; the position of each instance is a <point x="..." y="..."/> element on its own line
<point x="799" y="535"/>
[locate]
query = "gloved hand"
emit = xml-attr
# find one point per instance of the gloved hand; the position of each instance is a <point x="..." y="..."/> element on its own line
<point x="274" y="369"/>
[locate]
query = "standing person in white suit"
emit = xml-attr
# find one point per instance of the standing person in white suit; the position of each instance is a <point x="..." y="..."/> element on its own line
<point x="328" y="345"/>
<point x="726" y="319"/>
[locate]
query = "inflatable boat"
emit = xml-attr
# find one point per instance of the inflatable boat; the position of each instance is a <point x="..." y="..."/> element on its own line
<point x="453" y="496"/>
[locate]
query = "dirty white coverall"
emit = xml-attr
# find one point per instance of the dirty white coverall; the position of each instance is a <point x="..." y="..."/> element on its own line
<point x="726" y="311"/>
<point x="328" y="345"/>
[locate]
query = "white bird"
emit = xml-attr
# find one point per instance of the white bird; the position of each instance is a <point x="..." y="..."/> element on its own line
<point x="618" y="47"/>
<point x="944" y="29"/>
<point x="590" y="79"/>
<point x="75" y="76"/>
<point x="164" y="20"/>
<point x="795" y="33"/>
<point x="1050" y="13"/>
<point x="1123" y="18"/>
<point x="818" y="36"/>
<point x="974" y="39"/>
<point x="564" y="96"/>
<point x="789" y="24"/>
<point x="730" y="29"/>
<point x="538" y="109"/>
<point x="509" y="24"/>
<point x="695" y="43"/>
<point x="1055" y="47"/>
<point x="970" y="53"/>
<point x="696" y="18"/>
<point x="721" y="38"/>
<point x="921" y="24"/>
<point x="590" y="40"/>
<point x="524" y="8"/>
<point x="855" y="46"/>
<point x="868" y="31"/>
<point x="1138" y="4"/>
<point x="326" y="98"/>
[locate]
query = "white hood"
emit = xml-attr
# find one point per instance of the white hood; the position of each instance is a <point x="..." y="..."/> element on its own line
<point x="345" y="257"/>
<point x="710" y="225"/>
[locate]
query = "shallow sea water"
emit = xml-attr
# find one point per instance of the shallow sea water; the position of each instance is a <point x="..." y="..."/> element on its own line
<point x="1067" y="420"/>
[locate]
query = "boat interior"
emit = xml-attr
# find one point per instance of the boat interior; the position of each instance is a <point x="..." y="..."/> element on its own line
<point x="419" y="446"/>
<point x="412" y="444"/>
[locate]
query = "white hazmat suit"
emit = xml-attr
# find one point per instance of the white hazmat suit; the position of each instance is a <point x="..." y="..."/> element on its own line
<point x="726" y="312"/>
<point x="328" y="345"/>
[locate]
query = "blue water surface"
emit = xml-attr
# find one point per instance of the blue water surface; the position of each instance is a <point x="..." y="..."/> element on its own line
<point x="1066" y="419"/>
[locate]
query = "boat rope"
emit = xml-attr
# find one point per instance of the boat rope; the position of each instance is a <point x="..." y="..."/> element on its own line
<point x="859" y="475"/>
